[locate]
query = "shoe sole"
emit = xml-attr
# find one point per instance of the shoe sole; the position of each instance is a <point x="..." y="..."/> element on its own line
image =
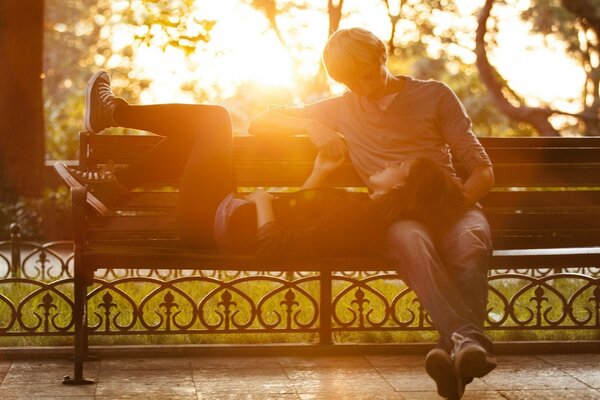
<point x="88" y="97"/>
<point x="443" y="372"/>
<point x="474" y="363"/>
<point x="63" y="171"/>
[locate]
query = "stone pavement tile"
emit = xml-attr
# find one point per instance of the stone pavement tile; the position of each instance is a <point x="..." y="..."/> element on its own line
<point x="45" y="390"/>
<point x="247" y="396"/>
<point x="144" y="396"/>
<point x="584" y="367"/>
<point x="469" y="395"/>
<point x="356" y="388"/>
<point x="346" y="396"/>
<point x="240" y="374"/>
<point x="551" y="394"/>
<point x="418" y="380"/>
<point x="47" y="371"/>
<point x="145" y="390"/>
<point x="234" y="362"/>
<point x="586" y="361"/>
<point x="168" y="363"/>
<point x="411" y="361"/>
<point x="4" y="367"/>
<point x="324" y="361"/>
<point x="253" y="387"/>
<point x="51" y="398"/>
<point x="521" y="381"/>
<point x="332" y="373"/>
<point x="591" y="378"/>
<point x="159" y="376"/>
<point x="521" y="363"/>
<point x="548" y="371"/>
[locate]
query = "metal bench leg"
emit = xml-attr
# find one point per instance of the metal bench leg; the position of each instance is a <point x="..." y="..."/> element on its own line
<point x="80" y="322"/>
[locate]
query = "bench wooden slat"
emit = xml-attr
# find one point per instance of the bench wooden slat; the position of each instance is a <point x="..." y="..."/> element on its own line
<point x="152" y="200"/>
<point x="524" y="199"/>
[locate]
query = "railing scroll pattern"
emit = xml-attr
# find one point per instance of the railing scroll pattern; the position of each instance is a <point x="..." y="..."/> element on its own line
<point x="36" y="299"/>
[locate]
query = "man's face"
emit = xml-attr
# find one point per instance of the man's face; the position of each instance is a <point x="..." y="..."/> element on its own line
<point x="370" y="81"/>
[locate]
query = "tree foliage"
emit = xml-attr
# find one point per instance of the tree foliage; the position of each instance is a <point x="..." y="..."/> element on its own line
<point x="80" y="40"/>
<point x="576" y="23"/>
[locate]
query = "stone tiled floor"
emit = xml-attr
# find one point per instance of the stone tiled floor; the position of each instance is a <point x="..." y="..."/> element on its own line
<point x="328" y="377"/>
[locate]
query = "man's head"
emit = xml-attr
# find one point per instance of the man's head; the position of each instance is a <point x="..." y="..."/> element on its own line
<point x="357" y="58"/>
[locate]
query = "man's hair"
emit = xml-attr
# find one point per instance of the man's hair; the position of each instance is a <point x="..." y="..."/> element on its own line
<point x="349" y="50"/>
<point x="429" y="195"/>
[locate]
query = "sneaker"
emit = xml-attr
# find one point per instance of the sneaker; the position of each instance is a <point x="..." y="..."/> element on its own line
<point x="104" y="187"/>
<point x="470" y="358"/>
<point x="441" y="369"/>
<point x="100" y="103"/>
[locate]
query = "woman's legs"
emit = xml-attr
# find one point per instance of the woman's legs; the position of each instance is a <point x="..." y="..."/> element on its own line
<point x="180" y="124"/>
<point x="197" y="147"/>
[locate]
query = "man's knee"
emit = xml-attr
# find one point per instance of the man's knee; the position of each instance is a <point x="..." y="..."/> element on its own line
<point x="407" y="233"/>
<point x="472" y="231"/>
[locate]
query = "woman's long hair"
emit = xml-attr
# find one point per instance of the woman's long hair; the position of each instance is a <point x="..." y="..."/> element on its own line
<point x="429" y="195"/>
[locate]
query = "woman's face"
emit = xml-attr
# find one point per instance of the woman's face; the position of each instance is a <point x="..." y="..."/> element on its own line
<point x="393" y="175"/>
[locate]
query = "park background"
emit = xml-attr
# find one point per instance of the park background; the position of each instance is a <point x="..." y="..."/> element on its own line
<point x="521" y="68"/>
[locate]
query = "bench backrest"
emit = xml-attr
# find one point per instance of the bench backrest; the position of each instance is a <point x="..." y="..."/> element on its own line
<point x="547" y="189"/>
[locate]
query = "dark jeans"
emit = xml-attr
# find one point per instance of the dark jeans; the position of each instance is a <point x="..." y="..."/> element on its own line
<point x="197" y="148"/>
<point x="448" y="274"/>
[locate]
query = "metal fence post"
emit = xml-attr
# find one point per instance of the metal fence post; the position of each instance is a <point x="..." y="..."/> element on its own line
<point x="325" y="333"/>
<point x="15" y="238"/>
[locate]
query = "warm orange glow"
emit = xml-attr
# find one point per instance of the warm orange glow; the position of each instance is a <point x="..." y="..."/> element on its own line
<point x="243" y="49"/>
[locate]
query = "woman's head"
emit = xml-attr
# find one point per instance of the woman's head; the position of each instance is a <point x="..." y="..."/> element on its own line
<point x="426" y="192"/>
<point x="391" y="177"/>
<point x="356" y="58"/>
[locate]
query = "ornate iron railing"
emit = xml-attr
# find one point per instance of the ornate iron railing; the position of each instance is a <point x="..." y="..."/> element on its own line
<point x="36" y="299"/>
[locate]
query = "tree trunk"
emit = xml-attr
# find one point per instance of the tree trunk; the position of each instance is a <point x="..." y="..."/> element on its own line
<point x="536" y="116"/>
<point x="334" y="11"/>
<point x="21" y="105"/>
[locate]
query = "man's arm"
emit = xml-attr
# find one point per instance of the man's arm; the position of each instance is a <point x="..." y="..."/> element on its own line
<point x="274" y="122"/>
<point x="479" y="183"/>
<point x="322" y="168"/>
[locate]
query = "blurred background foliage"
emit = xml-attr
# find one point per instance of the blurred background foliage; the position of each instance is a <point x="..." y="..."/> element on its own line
<point x="80" y="39"/>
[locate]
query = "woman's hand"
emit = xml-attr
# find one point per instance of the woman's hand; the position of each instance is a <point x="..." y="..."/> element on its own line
<point x="264" y="206"/>
<point x="258" y="196"/>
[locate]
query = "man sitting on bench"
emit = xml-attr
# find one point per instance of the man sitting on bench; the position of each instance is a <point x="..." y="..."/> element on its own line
<point x="388" y="119"/>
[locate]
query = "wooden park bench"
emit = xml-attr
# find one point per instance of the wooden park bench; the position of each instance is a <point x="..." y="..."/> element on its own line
<point x="544" y="211"/>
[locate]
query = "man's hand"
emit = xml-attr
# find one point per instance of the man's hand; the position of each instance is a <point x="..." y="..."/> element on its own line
<point x="330" y="143"/>
<point x="327" y="165"/>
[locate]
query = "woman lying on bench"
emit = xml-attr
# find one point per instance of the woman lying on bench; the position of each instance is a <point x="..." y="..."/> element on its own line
<point x="311" y="223"/>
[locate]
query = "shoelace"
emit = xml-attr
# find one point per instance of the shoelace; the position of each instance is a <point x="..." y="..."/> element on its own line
<point x="459" y="340"/>
<point x="92" y="176"/>
<point x="105" y="94"/>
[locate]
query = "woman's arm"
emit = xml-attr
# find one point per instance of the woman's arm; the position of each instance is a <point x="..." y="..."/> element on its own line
<point x="264" y="207"/>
